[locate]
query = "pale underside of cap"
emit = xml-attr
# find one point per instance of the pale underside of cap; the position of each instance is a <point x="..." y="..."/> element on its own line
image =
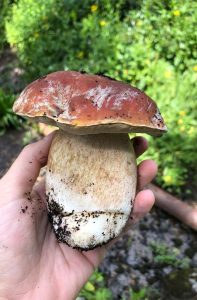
<point x="84" y="104"/>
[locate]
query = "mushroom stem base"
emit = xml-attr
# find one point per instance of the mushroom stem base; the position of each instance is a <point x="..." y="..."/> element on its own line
<point x="90" y="186"/>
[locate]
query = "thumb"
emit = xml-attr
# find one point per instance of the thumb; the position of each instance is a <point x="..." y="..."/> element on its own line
<point x="24" y="171"/>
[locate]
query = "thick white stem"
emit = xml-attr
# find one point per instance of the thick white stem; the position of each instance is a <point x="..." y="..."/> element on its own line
<point x="90" y="185"/>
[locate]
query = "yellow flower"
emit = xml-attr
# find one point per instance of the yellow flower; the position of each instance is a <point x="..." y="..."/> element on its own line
<point x="191" y="131"/>
<point x="168" y="179"/>
<point x="180" y="121"/>
<point x="182" y="113"/>
<point x="195" y="68"/>
<point x="168" y="74"/>
<point x="139" y="23"/>
<point x="94" y="7"/>
<point x="80" y="54"/>
<point x="176" y="13"/>
<point x="102" y="23"/>
<point x="182" y="128"/>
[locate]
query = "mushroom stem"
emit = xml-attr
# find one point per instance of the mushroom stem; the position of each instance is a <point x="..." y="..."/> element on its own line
<point x="90" y="186"/>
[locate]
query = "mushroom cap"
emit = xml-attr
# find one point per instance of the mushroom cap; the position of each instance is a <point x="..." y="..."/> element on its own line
<point x="82" y="103"/>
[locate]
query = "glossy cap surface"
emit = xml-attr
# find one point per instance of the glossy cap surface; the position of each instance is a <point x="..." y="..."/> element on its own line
<point x="83" y="104"/>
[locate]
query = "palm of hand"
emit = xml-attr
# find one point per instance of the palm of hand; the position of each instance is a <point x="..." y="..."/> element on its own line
<point x="33" y="265"/>
<point x="38" y="264"/>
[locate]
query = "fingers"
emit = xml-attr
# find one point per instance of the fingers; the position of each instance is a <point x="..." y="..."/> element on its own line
<point x="140" y="145"/>
<point x="147" y="170"/>
<point x="24" y="171"/>
<point x="143" y="204"/>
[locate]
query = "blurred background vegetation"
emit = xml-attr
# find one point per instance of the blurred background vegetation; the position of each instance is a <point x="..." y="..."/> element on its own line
<point x="148" y="43"/>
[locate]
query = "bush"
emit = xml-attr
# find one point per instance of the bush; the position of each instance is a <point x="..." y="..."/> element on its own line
<point x="53" y="35"/>
<point x="7" y="117"/>
<point x="4" y="9"/>
<point x="167" y="27"/>
<point x="150" y="44"/>
<point x="175" y="152"/>
<point x="104" y="37"/>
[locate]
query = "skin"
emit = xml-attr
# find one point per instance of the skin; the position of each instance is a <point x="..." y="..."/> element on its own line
<point x="33" y="265"/>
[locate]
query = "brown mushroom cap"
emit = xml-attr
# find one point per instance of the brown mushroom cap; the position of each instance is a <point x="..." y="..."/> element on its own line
<point x="83" y="104"/>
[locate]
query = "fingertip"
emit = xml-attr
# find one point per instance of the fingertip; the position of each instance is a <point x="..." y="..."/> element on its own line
<point x="144" y="201"/>
<point x="140" y="145"/>
<point x="153" y="165"/>
<point x="147" y="170"/>
<point x="148" y="166"/>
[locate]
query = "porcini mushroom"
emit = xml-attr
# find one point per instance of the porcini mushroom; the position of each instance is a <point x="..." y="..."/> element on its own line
<point x="91" y="170"/>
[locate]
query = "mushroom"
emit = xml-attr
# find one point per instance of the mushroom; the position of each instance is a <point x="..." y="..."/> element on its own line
<point x="91" y="170"/>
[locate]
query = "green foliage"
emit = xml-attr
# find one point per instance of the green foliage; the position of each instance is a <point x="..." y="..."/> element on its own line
<point x="146" y="293"/>
<point x="95" y="289"/>
<point x="175" y="152"/>
<point x="4" y="8"/>
<point x="31" y="132"/>
<point x="164" y="255"/>
<point x="65" y="34"/>
<point x="102" y="36"/>
<point x="140" y="295"/>
<point x="168" y="28"/>
<point x="149" y="44"/>
<point x="7" y="117"/>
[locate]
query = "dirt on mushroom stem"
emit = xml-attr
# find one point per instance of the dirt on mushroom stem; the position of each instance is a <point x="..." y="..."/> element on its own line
<point x="90" y="187"/>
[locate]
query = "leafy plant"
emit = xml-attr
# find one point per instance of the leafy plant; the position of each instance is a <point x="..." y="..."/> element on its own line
<point x="146" y="293"/>
<point x="175" y="153"/>
<point x="31" y="132"/>
<point x="95" y="289"/>
<point x="4" y="8"/>
<point x="167" y="27"/>
<point x="139" y="295"/>
<point x="7" y="117"/>
<point x="164" y="255"/>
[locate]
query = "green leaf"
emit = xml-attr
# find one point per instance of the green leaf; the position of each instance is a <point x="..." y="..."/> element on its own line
<point x="89" y="287"/>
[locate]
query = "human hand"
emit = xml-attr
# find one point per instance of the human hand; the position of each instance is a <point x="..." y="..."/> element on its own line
<point x="33" y="265"/>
